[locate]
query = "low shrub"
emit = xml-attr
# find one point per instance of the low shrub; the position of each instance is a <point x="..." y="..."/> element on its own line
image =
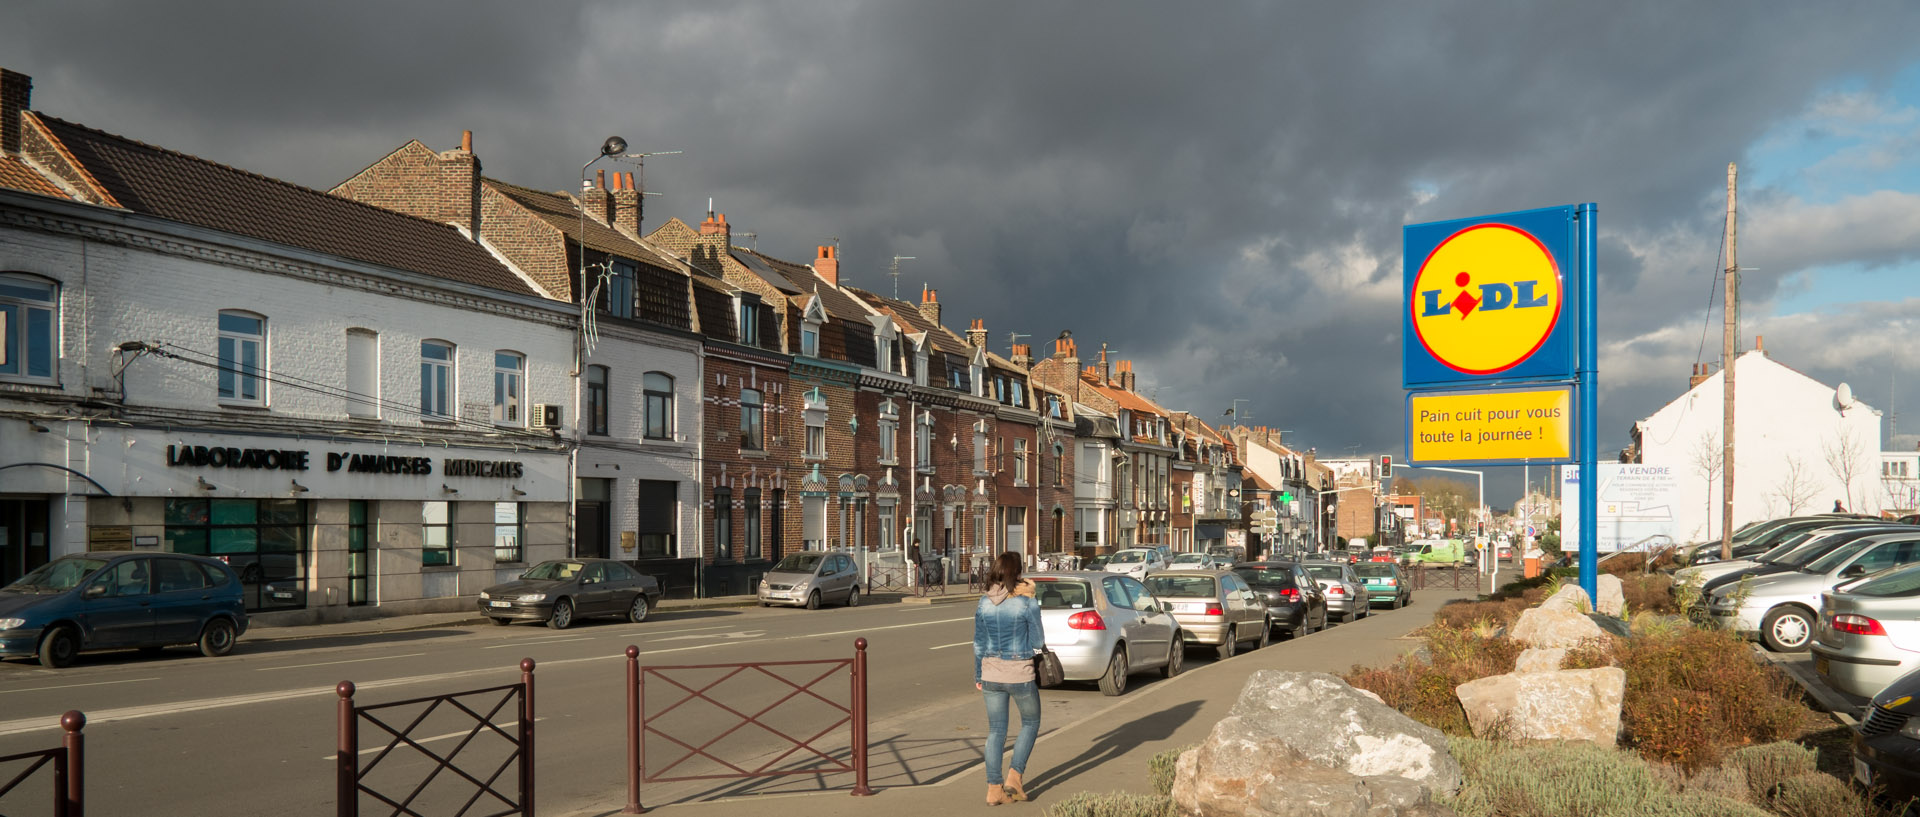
<point x="1557" y="779"/>
<point x="1113" y="804"/>
<point x="1422" y="687"/>
<point x="1819" y="795"/>
<point x="1768" y="765"/>
<point x="1161" y="769"/>
<point x="1649" y="593"/>
<point x="1694" y="695"/>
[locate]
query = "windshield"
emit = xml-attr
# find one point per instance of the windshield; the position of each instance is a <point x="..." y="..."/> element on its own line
<point x="799" y="563"/>
<point x="1096" y="563"/>
<point x="1822" y="545"/>
<point x="1325" y="572"/>
<point x="1265" y="577"/>
<point x="1128" y="557"/>
<point x="1201" y="586"/>
<point x="1373" y="569"/>
<point x="1190" y="559"/>
<point x="1904" y="582"/>
<point x="1839" y="556"/>
<point x="1785" y="547"/>
<point x="60" y="574"/>
<point x="554" y="571"/>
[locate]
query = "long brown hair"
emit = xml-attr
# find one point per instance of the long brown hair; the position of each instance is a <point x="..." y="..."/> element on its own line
<point x="1006" y="571"/>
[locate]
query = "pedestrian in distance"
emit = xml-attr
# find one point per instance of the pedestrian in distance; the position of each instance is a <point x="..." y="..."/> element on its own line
<point x="913" y="564"/>
<point x="1839" y="508"/>
<point x="1006" y="637"/>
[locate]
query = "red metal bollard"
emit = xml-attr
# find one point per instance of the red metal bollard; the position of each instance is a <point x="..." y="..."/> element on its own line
<point x="860" y="788"/>
<point x="526" y="737"/>
<point x="346" y="775"/>
<point x="73" y="789"/>
<point x="633" y="732"/>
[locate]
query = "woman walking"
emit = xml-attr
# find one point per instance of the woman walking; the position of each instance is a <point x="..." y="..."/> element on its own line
<point x="1006" y="637"/>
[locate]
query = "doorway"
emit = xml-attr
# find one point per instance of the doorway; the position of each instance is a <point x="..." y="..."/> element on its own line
<point x="23" y="536"/>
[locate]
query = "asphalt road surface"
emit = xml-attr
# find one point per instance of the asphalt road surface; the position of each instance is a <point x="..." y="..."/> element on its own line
<point x="254" y="732"/>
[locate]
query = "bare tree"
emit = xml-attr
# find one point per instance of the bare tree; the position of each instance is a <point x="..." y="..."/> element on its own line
<point x="1797" y="487"/>
<point x="1708" y="460"/>
<point x="1842" y="454"/>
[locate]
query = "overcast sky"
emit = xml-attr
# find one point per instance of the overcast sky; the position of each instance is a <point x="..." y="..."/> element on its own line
<point x="1216" y="189"/>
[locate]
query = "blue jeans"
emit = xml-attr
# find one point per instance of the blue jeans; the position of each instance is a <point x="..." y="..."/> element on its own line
<point x="1027" y="697"/>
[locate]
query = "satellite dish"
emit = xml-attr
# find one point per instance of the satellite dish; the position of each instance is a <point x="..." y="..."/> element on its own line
<point x="1843" y="395"/>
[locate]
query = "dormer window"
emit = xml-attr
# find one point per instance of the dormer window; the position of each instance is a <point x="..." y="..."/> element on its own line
<point x="810" y="339"/>
<point x="920" y="363"/>
<point x="883" y="352"/>
<point x="750" y="320"/>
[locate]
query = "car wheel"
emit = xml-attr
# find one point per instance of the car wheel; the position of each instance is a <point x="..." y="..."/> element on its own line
<point x="500" y="622"/>
<point x="813" y="600"/>
<point x="638" y="612"/>
<point x="216" y="639"/>
<point x="1228" y="647"/>
<point x="59" y="647"/>
<point x="1266" y="634"/>
<point x="1115" y="681"/>
<point x="1397" y="603"/>
<point x="853" y="597"/>
<point x="1787" y="629"/>
<point x="562" y="617"/>
<point x="1176" y="656"/>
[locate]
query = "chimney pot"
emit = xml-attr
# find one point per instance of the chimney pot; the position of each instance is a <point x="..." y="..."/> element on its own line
<point x="1759" y="343"/>
<point x="466" y="141"/>
<point x="600" y="179"/>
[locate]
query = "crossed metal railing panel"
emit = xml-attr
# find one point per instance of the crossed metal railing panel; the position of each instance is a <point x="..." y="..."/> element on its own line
<point x="641" y="724"/>
<point x="351" y="775"/>
<point x="69" y="765"/>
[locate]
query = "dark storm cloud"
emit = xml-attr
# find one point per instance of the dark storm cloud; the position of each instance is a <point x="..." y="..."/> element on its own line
<point x="1217" y="189"/>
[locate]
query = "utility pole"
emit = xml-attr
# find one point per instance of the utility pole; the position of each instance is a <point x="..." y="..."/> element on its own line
<point x="1730" y="339"/>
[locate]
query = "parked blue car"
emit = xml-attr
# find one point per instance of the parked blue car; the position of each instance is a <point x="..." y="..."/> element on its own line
<point x="109" y="601"/>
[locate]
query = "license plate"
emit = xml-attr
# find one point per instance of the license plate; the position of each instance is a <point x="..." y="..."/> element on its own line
<point x="283" y="595"/>
<point x="1862" y="773"/>
<point x="1196" y="607"/>
<point x="1821" y="664"/>
<point x="498" y="604"/>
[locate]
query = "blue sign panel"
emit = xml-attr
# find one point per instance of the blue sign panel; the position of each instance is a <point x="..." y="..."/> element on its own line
<point x="1490" y="299"/>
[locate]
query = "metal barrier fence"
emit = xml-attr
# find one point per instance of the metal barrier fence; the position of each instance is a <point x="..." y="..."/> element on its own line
<point x="350" y="776"/>
<point x="880" y="578"/>
<point x="1456" y="577"/>
<point x="641" y="723"/>
<point x="69" y="768"/>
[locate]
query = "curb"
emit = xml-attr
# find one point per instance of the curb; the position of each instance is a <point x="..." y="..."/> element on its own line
<point x="927" y="600"/>
<point x="296" y="635"/>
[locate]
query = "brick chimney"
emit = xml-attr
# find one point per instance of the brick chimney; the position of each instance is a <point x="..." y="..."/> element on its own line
<point x="628" y="205"/>
<point x="716" y="224"/>
<point x="1022" y="355"/>
<point x="1106" y="367"/>
<point x="598" y="204"/>
<point x="1701" y="372"/>
<point x="1066" y="352"/>
<point x="459" y="186"/>
<point x="930" y="304"/>
<point x="1126" y="375"/>
<point x="827" y="265"/>
<point x="977" y="334"/>
<point x="16" y="98"/>
<point x="716" y="241"/>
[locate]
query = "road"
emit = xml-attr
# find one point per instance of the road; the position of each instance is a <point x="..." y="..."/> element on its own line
<point x="254" y="732"/>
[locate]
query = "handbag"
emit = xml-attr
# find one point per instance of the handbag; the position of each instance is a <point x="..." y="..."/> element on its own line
<point x="1047" y="670"/>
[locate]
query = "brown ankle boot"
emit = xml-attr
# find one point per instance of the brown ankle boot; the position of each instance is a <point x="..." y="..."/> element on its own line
<point x="996" y="795"/>
<point x="1016" y="788"/>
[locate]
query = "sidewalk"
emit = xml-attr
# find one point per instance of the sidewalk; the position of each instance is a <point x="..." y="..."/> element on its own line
<point x="1104" y="750"/>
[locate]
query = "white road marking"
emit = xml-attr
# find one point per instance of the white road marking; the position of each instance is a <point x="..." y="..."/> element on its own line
<point x="538" y="643"/>
<point x="448" y="736"/>
<point x="72" y="686"/>
<point x="955" y="644"/>
<point x="736" y="635"/>
<point x="347" y="661"/>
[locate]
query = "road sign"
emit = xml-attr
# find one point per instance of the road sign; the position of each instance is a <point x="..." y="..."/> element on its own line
<point x="1486" y="299"/>
<point x="1490" y="427"/>
<point x="1530" y="531"/>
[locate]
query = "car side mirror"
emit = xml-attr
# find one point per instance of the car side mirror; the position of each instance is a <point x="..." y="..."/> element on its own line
<point x="94" y="591"/>
<point x="1854" y="570"/>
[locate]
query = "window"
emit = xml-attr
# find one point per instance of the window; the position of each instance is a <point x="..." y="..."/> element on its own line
<point x="243" y="353"/>
<point x="620" y="290"/>
<point x="363" y="373"/>
<point x="883" y="353"/>
<point x="979" y="449"/>
<point x="358" y="572"/>
<point x="436" y="380"/>
<point x="659" y="394"/>
<point x="979" y="381"/>
<point x="1053" y="407"/>
<point x="1019" y="394"/>
<point x="436" y="534"/>
<point x="508" y="529"/>
<point x="28" y="328"/>
<point x="750" y="430"/>
<point x="509" y="372"/>
<point x="597" y="400"/>
<point x="814" y="416"/>
<point x="750" y="321"/>
<point x="779" y="514"/>
<point x="810" y="340"/>
<point x="722" y="523"/>
<point x="813" y="522"/>
<point x="923" y="443"/>
<point x="752" y="531"/>
<point x="886" y="526"/>
<point x="888" y="430"/>
<point x="816" y="441"/>
<point x="265" y="540"/>
<point x="658" y="503"/>
<point x="1019" y="461"/>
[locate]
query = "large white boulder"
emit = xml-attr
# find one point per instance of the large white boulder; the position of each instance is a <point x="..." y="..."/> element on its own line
<point x="1571" y="704"/>
<point x="1611" y="597"/>
<point x="1557" y="626"/>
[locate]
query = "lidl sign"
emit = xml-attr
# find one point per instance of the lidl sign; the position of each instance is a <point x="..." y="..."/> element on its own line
<point x="1488" y="299"/>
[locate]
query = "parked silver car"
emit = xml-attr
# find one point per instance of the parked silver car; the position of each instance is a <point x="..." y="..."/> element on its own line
<point x="1135" y="562"/>
<point x="1346" y="594"/>
<point x="807" y="578"/>
<point x="1215" y="608"/>
<point x="1197" y="561"/>
<point x="1105" y="627"/>
<point x="1869" y="632"/>
<point x="1780" y="609"/>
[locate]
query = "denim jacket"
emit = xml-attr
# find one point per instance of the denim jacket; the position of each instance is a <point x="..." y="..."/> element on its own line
<point x="1006" y="626"/>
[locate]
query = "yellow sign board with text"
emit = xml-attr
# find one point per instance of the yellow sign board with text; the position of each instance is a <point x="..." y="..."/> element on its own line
<point x="1490" y="427"/>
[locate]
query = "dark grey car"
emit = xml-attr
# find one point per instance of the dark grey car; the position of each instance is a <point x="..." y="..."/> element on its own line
<point x="564" y="590"/>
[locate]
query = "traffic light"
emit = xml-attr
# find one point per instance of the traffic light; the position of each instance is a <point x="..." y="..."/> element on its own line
<point x="1386" y="466"/>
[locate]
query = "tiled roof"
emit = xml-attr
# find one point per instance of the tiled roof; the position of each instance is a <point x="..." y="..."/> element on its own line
<point x="1127" y="400"/>
<point x="852" y="340"/>
<point x="17" y="175"/>
<point x="560" y="210"/>
<point x="187" y="189"/>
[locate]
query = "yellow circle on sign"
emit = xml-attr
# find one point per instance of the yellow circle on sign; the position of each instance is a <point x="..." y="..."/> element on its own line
<point x="1486" y="299"/>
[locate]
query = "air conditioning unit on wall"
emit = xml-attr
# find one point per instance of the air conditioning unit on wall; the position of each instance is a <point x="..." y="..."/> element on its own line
<point x="545" y="415"/>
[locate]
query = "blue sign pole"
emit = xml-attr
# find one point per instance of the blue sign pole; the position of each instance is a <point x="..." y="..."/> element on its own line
<point x="1588" y="419"/>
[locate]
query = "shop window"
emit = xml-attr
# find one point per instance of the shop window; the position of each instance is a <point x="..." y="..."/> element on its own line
<point x="243" y="358"/>
<point x="509" y="533"/>
<point x="509" y="380"/>
<point x="29" y="327"/>
<point x="659" y="393"/>
<point x="436" y="380"/>
<point x="264" y="540"/>
<point x="359" y="553"/>
<point x="436" y="534"/>
<point x="363" y="373"/>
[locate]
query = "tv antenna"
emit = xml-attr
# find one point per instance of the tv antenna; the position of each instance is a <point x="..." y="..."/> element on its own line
<point x="753" y="240"/>
<point x="640" y="179"/>
<point x="1013" y="338"/>
<point x="895" y="272"/>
